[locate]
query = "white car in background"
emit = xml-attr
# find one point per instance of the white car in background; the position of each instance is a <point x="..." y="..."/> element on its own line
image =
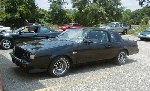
<point x="116" y="26"/>
<point x="4" y="29"/>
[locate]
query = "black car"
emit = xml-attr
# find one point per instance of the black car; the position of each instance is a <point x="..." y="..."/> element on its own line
<point x="73" y="46"/>
<point x="27" y="33"/>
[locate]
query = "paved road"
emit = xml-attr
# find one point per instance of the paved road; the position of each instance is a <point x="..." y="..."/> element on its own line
<point x="133" y="76"/>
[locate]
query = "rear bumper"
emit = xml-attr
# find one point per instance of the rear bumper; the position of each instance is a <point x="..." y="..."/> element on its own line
<point x="19" y="62"/>
<point x="133" y="50"/>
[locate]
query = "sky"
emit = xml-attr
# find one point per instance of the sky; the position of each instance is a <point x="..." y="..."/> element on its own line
<point x="128" y="4"/>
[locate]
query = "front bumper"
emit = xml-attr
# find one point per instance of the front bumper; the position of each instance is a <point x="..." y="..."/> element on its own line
<point x="19" y="62"/>
<point x="146" y="37"/>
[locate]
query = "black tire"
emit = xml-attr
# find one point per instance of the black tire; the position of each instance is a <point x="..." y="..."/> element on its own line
<point x="142" y="39"/>
<point x="59" y="66"/>
<point x="121" y="58"/>
<point x="125" y="32"/>
<point x="6" y="44"/>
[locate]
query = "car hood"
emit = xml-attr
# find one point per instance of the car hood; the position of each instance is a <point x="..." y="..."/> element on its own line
<point x="45" y="44"/>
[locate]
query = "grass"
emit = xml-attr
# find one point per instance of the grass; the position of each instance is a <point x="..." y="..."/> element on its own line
<point x="138" y="29"/>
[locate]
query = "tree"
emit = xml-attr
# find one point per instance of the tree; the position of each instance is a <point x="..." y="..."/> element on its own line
<point x="20" y="10"/>
<point x="59" y="16"/>
<point x="44" y="16"/>
<point x="100" y="11"/>
<point x="142" y="2"/>
<point x="126" y="19"/>
<point x="140" y="15"/>
<point x="91" y="15"/>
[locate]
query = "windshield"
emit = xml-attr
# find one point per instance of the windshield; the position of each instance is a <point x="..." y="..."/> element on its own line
<point x="76" y="35"/>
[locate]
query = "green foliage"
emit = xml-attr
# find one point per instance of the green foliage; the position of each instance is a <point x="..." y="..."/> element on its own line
<point x="135" y="31"/>
<point x="100" y="11"/>
<point x="44" y="16"/>
<point x="140" y="15"/>
<point x="59" y="16"/>
<point x="142" y="2"/>
<point x="126" y="19"/>
<point x="91" y="15"/>
<point x="17" y="11"/>
<point x="87" y="13"/>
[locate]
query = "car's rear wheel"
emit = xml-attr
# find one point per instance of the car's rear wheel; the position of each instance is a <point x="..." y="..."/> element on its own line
<point x="6" y="44"/>
<point x="121" y="58"/>
<point x="59" y="66"/>
<point x="125" y="32"/>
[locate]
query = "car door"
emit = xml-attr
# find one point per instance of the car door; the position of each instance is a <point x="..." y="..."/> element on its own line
<point x="118" y="27"/>
<point x="43" y="33"/>
<point x="100" y="48"/>
<point x="25" y="35"/>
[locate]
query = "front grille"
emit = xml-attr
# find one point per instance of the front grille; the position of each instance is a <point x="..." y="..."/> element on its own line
<point x="21" y="53"/>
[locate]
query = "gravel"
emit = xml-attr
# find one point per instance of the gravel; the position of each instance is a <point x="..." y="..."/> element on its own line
<point x="133" y="76"/>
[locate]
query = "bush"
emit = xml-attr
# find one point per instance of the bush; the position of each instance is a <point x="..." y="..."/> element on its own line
<point x="135" y="31"/>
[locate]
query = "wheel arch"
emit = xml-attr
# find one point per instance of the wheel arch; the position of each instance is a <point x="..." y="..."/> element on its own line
<point x="67" y="56"/>
<point x="126" y="50"/>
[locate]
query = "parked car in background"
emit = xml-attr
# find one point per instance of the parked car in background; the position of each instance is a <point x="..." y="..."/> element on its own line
<point x="5" y="29"/>
<point x="144" y="34"/>
<point x="73" y="46"/>
<point x="71" y="25"/>
<point x="117" y="26"/>
<point x="26" y="33"/>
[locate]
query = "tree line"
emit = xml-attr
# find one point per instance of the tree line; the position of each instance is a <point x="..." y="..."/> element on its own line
<point x="17" y="12"/>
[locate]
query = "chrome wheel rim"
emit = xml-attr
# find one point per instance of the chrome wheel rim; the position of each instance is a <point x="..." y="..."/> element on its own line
<point x="60" y="66"/>
<point x="122" y="57"/>
<point x="6" y="44"/>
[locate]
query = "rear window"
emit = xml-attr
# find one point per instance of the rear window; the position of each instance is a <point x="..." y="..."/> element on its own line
<point x="101" y="36"/>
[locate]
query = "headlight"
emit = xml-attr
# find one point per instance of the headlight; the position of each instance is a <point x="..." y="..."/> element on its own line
<point x="32" y="56"/>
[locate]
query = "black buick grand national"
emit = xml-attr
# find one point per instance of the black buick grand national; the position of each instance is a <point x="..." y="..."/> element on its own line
<point x="73" y="46"/>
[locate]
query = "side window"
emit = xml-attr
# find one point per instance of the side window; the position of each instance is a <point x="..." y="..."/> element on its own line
<point x="28" y="29"/>
<point x="44" y="30"/>
<point x="75" y="24"/>
<point x="117" y="25"/>
<point x="121" y="25"/>
<point x="100" y="36"/>
<point x="115" y="37"/>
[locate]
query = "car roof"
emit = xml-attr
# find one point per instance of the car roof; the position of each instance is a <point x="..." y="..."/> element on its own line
<point x="97" y="29"/>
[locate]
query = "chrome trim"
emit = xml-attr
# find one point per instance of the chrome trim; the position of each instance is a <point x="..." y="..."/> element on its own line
<point x="18" y="59"/>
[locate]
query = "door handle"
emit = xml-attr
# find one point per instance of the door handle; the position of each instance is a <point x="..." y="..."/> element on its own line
<point x="108" y="46"/>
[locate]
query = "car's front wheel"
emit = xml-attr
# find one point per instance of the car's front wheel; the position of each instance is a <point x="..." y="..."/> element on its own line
<point x="59" y="66"/>
<point x="121" y="58"/>
<point x="142" y="39"/>
<point x="6" y="44"/>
